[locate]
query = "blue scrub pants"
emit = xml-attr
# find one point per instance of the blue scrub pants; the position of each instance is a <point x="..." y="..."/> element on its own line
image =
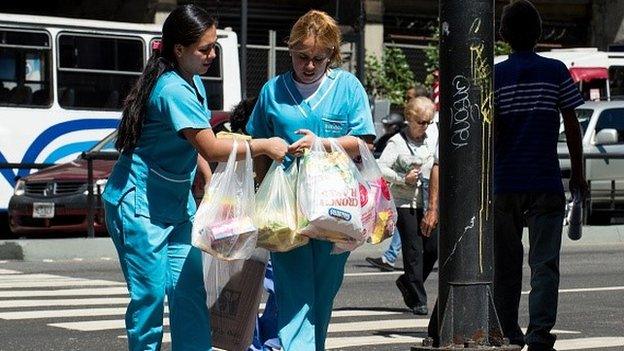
<point x="158" y="259"/>
<point x="306" y="281"/>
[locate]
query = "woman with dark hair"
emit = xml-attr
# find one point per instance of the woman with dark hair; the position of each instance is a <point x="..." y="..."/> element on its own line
<point x="148" y="203"/>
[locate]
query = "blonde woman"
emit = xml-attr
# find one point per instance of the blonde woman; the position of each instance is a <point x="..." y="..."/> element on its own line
<point x="314" y="98"/>
<point x="409" y="163"/>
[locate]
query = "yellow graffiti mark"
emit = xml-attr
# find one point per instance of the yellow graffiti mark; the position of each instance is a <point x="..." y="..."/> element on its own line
<point x="475" y="26"/>
<point x="482" y="78"/>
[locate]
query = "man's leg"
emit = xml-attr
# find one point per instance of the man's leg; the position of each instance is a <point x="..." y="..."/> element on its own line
<point x="508" y="257"/>
<point x="545" y="220"/>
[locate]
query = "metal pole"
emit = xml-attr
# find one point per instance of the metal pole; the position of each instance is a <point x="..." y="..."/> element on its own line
<point x="272" y="55"/>
<point x="361" y="50"/>
<point x="243" y="49"/>
<point x="466" y="317"/>
<point x="90" y="214"/>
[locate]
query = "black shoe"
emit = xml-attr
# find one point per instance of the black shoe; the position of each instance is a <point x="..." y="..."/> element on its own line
<point x="379" y="263"/>
<point x="421" y="310"/>
<point x="408" y="297"/>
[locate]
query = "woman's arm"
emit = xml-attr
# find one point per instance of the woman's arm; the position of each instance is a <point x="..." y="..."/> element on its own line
<point x="386" y="160"/>
<point x="218" y="150"/>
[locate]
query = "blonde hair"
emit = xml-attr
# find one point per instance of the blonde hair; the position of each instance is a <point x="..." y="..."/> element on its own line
<point x="419" y="107"/>
<point x="323" y="28"/>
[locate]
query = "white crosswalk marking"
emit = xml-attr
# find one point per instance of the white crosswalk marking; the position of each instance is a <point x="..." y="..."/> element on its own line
<point x="101" y="304"/>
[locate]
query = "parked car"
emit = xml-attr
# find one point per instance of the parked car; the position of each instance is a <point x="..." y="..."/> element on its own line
<point x="54" y="199"/>
<point x="602" y="124"/>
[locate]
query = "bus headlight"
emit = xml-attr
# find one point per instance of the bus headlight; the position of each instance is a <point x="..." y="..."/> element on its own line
<point x="20" y="188"/>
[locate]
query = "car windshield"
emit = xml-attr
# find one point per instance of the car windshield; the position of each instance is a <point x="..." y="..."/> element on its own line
<point x="583" y="115"/>
<point x="106" y="144"/>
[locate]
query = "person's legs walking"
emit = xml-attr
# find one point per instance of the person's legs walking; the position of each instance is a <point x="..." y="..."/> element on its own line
<point x="188" y="312"/>
<point x="142" y="249"/>
<point x="293" y="274"/>
<point x="411" y="282"/>
<point x="328" y="276"/>
<point x="545" y="220"/>
<point x="508" y="257"/>
<point x="391" y="254"/>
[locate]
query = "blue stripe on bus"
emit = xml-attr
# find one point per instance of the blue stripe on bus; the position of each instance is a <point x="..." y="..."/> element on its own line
<point x="50" y="134"/>
<point x="69" y="149"/>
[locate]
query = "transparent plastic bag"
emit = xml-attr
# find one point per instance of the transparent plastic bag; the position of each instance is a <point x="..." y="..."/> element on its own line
<point x="233" y="294"/>
<point x="379" y="214"/>
<point x="223" y="225"/>
<point x="276" y="211"/>
<point x="328" y="195"/>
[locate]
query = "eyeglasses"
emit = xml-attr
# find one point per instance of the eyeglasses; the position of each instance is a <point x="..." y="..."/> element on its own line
<point x="317" y="60"/>
<point x="421" y="123"/>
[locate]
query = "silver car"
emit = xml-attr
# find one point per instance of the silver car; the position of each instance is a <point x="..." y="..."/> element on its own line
<point x="602" y="123"/>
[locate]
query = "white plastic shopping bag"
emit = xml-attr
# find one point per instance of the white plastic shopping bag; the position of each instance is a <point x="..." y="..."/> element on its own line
<point x="276" y="211"/>
<point x="328" y="194"/>
<point x="223" y="225"/>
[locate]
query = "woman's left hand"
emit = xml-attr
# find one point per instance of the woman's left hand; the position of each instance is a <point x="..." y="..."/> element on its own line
<point x="300" y="145"/>
<point x="429" y="223"/>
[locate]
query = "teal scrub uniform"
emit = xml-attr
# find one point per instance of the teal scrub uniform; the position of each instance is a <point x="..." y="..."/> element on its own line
<point x="149" y="210"/>
<point x="308" y="278"/>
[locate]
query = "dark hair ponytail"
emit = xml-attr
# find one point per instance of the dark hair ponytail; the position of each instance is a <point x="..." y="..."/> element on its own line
<point x="185" y="25"/>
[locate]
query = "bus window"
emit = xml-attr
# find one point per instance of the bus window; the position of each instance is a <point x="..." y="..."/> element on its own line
<point x="97" y="72"/>
<point x="25" y="68"/>
<point x="616" y="77"/>
<point x="213" y="80"/>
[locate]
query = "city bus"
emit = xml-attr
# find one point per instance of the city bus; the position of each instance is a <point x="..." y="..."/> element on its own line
<point x="63" y="82"/>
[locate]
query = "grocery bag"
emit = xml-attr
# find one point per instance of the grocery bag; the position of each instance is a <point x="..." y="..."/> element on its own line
<point x="378" y="210"/>
<point x="328" y="194"/>
<point x="223" y="225"/>
<point x="233" y="293"/>
<point x="276" y="211"/>
<point x="381" y="222"/>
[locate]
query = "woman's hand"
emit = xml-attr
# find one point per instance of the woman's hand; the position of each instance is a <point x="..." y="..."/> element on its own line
<point x="275" y="148"/>
<point x="300" y="145"/>
<point x="412" y="177"/>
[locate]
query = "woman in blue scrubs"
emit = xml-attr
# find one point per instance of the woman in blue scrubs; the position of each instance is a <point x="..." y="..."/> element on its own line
<point x="148" y="203"/>
<point x="314" y="99"/>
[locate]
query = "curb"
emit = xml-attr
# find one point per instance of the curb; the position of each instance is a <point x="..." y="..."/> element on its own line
<point x="96" y="248"/>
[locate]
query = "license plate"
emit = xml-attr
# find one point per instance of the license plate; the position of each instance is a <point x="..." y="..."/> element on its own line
<point x="43" y="210"/>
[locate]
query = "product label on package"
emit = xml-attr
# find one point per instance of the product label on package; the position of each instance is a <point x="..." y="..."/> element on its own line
<point x="334" y="212"/>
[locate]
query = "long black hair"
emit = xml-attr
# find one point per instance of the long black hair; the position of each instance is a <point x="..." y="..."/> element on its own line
<point x="185" y="25"/>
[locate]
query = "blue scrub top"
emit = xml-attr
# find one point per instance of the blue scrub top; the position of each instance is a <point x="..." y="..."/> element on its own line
<point x="162" y="166"/>
<point x="339" y="107"/>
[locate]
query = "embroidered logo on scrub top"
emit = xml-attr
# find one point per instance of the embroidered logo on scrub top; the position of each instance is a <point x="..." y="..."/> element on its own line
<point x="334" y="125"/>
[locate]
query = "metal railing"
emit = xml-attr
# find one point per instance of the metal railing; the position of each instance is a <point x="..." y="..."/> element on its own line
<point x="90" y="157"/>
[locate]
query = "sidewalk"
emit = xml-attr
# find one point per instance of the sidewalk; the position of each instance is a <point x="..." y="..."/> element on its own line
<point x="84" y="248"/>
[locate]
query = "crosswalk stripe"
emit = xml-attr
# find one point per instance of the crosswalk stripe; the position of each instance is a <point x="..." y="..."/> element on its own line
<point x="80" y="312"/>
<point x="358" y="341"/>
<point x="96" y="325"/>
<point x="377" y="325"/>
<point x="65" y="292"/>
<point x="606" y="288"/>
<point x="59" y="283"/>
<point x="8" y="271"/>
<point x="362" y="313"/>
<point x="589" y="343"/>
<point x="64" y="302"/>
